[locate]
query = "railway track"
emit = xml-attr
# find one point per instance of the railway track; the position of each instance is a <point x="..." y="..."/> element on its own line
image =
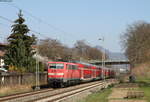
<point x="59" y="97"/>
<point x="15" y="96"/>
<point x="51" y="95"/>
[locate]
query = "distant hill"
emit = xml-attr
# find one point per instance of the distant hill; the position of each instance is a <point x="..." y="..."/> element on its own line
<point x="113" y="55"/>
<point x="117" y="56"/>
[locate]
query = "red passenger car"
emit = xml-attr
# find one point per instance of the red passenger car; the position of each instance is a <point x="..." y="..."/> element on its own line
<point x="61" y="74"/>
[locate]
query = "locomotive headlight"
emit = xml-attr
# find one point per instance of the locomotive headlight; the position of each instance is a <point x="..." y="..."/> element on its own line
<point x="59" y="73"/>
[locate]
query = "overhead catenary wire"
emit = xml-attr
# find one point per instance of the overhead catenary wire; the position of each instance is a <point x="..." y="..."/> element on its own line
<point x="4" y="18"/>
<point x="35" y="32"/>
<point x="43" y="22"/>
<point x="29" y="14"/>
<point x="56" y="29"/>
<point x="10" y="21"/>
<point x="4" y="25"/>
<point x="40" y="20"/>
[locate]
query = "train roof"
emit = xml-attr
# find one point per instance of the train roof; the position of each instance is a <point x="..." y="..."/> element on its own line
<point x="61" y="62"/>
<point x="83" y="63"/>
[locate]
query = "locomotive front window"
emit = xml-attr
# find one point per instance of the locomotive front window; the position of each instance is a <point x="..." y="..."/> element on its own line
<point x="56" y="66"/>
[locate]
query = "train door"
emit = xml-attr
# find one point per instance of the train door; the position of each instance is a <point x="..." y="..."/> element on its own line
<point x="81" y="71"/>
<point x="94" y="72"/>
<point x="95" y="69"/>
<point x="73" y="73"/>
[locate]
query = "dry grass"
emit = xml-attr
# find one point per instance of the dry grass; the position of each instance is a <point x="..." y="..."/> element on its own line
<point x="118" y="93"/>
<point x="127" y="101"/>
<point x="14" y="89"/>
<point x="142" y="70"/>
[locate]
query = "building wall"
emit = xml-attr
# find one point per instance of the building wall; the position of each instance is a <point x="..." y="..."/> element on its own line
<point x="8" y="80"/>
<point x="2" y="62"/>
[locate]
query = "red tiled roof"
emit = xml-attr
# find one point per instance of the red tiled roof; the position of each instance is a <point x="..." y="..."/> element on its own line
<point x="3" y="44"/>
<point x="2" y="53"/>
<point x="34" y="46"/>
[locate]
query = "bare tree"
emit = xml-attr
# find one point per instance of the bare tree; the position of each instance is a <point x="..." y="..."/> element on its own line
<point x="86" y="52"/>
<point x="136" y="41"/>
<point x="53" y="49"/>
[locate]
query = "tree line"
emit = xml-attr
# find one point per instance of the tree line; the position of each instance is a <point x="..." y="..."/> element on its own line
<point x="136" y="42"/>
<point x="53" y="49"/>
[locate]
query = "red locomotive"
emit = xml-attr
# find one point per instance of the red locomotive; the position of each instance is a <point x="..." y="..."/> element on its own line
<point x="62" y="74"/>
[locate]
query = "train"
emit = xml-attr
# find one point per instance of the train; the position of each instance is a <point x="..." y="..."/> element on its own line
<point x="62" y="74"/>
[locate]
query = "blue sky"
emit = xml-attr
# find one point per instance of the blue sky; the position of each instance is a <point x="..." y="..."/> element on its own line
<point x="77" y="19"/>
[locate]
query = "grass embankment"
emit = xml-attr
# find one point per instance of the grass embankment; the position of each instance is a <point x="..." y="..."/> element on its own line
<point x="99" y="96"/>
<point x="144" y="84"/>
<point x="146" y="91"/>
<point x="142" y="72"/>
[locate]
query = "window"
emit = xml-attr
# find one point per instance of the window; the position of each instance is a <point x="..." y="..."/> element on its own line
<point x="72" y="67"/>
<point x="56" y="66"/>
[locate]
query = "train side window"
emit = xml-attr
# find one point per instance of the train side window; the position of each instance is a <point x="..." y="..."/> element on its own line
<point x="56" y="66"/>
<point x="69" y="66"/>
<point x="72" y="67"/>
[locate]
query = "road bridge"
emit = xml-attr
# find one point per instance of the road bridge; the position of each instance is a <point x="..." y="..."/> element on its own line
<point x="110" y="62"/>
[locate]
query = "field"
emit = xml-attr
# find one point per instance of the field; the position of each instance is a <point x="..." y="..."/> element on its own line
<point x="99" y="96"/>
<point x="116" y="94"/>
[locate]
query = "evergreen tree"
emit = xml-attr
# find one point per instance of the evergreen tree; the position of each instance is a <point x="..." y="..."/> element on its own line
<point x="19" y="51"/>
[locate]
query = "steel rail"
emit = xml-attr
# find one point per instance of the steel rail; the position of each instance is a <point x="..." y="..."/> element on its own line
<point x="43" y="94"/>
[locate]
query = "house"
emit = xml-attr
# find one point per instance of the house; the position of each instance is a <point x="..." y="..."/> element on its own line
<point x="3" y="50"/>
<point x="1" y="58"/>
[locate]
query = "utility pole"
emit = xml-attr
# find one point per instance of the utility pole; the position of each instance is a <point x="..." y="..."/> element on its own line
<point x="103" y="58"/>
<point x="37" y="64"/>
<point x="37" y="71"/>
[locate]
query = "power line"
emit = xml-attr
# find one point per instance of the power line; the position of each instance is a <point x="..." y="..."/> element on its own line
<point x="39" y="33"/>
<point x="4" y="18"/>
<point x="40" y="20"/>
<point x="44" y="22"/>
<point x="4" y="25"/>
<point x="15" y="6"/>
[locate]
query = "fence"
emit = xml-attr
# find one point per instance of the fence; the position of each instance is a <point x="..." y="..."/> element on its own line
<point x="8" y="79"/>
